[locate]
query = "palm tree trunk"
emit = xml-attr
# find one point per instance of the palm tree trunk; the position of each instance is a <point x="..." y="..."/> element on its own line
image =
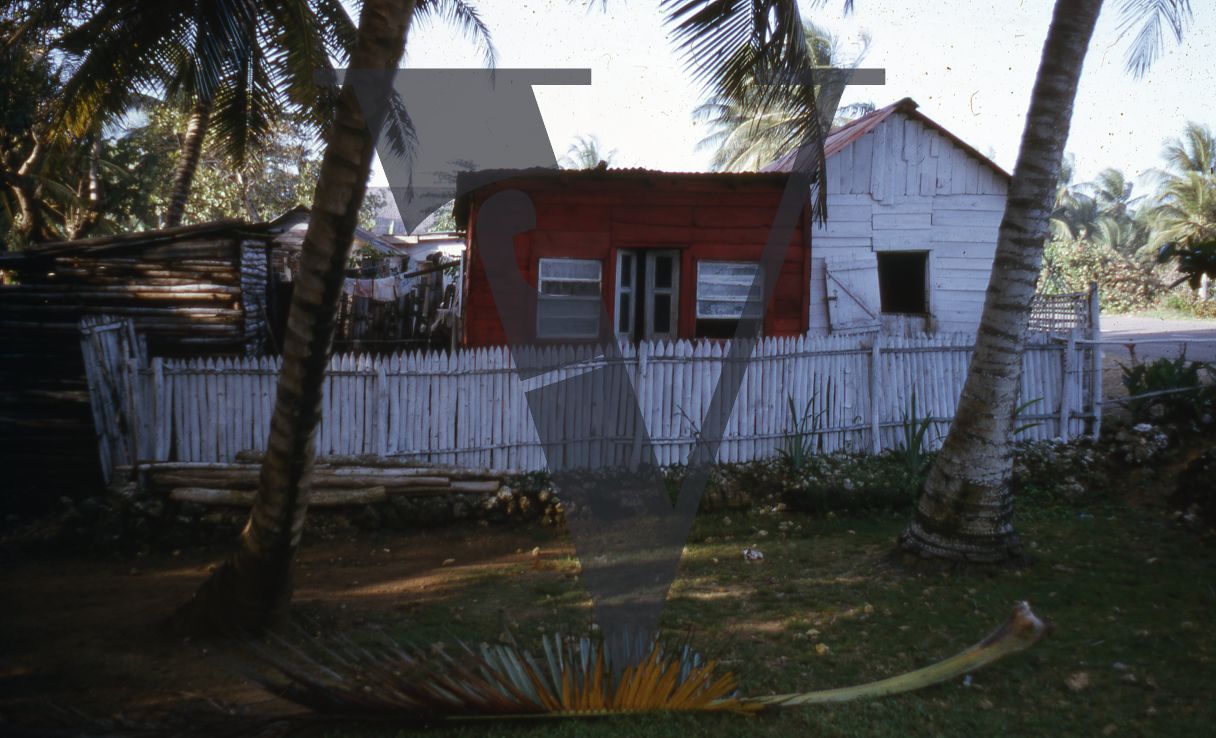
<point x="252" y="590"/>
<point x="966" y="510"/>
<point x="187" y="165"/>
<point x="89" y="192"/>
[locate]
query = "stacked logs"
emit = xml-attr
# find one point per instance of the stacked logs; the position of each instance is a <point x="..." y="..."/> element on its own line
<point x="191" y="303"/>
<point x="184" y="288"/>
<point x="337" y="481"/>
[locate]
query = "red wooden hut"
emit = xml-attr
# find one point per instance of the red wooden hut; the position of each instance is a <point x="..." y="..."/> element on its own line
<point x="670" y="255"/>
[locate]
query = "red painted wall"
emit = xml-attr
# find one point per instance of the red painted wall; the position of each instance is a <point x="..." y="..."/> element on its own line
<point x="591" y="215"/>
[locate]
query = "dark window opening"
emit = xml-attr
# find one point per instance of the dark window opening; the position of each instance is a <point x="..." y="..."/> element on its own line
<point x="647" y="294"/>
<point x="903" y="282"/>
<point x="717" y="328"/>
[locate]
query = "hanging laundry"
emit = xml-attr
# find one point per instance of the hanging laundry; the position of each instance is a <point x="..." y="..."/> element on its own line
<point x="405" y="285"/>
<point x="363" y="287"/>
<point x="384" y="289"/>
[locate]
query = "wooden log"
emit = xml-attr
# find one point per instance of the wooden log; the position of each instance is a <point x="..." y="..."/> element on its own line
<point x="66" y="273"/>
<point x="104" y="288"/>
<point x="245" y="498"/>
<point x="390" y="481"/>
<point x="244" y="480"/>
<point x="403" y="471"/>
<point x="492" y="486"/>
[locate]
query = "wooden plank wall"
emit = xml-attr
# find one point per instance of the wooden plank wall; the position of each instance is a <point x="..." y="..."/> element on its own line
<point x="710" y="217"/>
<point x="469" y="408"/>
<point x="184" y="295"/>
<point x="904" y="186"/>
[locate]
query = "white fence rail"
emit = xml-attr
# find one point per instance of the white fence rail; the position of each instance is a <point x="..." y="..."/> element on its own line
<point x="469" y="408"/>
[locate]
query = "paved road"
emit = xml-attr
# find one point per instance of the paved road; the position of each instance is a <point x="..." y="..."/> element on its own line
<point x="1138" y="328"/>
<point x="1134" y="327"/>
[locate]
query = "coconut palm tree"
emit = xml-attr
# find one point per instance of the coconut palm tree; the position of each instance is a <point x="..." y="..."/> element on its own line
<point x="1113" y="193"/>
<point x="237" y="66"/>
<point x="1076" y="216"/>
<point x="1126" y="235"/>
<point x="965" y="512"/>
<point x="1120" y="225"/>
<point x="744" y="137"/>
<point x="1187" y="209"/>
<point x="1062" y="217"/>
<point x="252" y="589"/>
<point x="1184" y="216"/>
<point x="1186" y="204"/>
<point x="758" y="53"/>
<point x="586" y="153"/>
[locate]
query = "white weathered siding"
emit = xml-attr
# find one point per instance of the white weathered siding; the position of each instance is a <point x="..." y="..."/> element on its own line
<point x="905" y="186"/>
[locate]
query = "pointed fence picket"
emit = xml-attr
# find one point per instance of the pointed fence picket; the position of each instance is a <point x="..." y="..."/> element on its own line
<point x="470" y="408"/>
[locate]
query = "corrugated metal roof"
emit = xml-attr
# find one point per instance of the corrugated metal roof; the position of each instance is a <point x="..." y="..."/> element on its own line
<point x="846" y="134"/>
<point x="469" y="182"/>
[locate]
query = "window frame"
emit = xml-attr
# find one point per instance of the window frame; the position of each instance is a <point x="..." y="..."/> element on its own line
<point x="926" y="256"/>
<point x="672" y="292"/>
<point x="542" y="297"/>
<point x="625" y="294"/>
<point x="639" y="294"/>
<point x="699" y="318"/>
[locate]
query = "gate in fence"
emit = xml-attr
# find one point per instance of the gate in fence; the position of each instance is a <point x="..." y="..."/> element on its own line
<point x="114" y="357"/>
<point x="468" y="408"/>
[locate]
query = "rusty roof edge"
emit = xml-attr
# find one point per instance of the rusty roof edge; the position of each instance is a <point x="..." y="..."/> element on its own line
<point x="484" y="178"/>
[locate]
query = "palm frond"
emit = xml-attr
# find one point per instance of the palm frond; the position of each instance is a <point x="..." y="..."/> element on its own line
<point x="747" y="134"/>
<point x="297" y="50"/>
<point x="380" y="679"/>
<point x="245" y="108"/>
<point x="570" y="677"/>
<point x="1195" y="151"/>
<point x="756" y="50"/>
<point x="123" y="55"/>
<point x="466" y="19"/>
<point x="1150" y="18"/>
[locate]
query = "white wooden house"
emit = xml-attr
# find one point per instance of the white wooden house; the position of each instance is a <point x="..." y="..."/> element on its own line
<point x="913" y="215"/>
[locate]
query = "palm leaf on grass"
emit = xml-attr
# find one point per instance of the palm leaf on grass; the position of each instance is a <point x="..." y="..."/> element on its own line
<point x="572" y="677"/>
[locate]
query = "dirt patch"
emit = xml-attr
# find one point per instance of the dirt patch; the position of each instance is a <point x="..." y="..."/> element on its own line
<point x="82" y="633"/>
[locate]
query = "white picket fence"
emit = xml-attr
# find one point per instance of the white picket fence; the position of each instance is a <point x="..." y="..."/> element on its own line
<point x="469" y="408"/>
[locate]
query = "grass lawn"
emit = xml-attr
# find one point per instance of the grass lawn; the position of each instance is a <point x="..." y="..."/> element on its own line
<point x="1131" y="596"/>
<point x="1131" y="599"/>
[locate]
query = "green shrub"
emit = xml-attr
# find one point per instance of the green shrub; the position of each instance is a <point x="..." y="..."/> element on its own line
<point x="1050" y="471"/>
<point x="1126" y="285"/>
<point x="1190" y="399"/>
<point x="799" y="442"/>
<point x="1184" y="301"/>
<point x="852" y="482"/>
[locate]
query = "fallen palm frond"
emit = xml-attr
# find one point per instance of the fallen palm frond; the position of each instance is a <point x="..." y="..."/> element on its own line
<point x="1022" y="630"/>
<point x="572" y="678"/>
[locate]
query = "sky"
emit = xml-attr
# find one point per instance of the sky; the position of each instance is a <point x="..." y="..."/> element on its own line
<point x="970" y="64"/>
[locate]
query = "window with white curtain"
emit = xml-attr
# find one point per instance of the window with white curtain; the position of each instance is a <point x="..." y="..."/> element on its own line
<point x="722" y="290"/>
<point x="570" y="297"/>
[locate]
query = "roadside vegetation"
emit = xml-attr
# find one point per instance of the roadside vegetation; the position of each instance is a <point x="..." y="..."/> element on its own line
<point x="1153" y="253"/>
